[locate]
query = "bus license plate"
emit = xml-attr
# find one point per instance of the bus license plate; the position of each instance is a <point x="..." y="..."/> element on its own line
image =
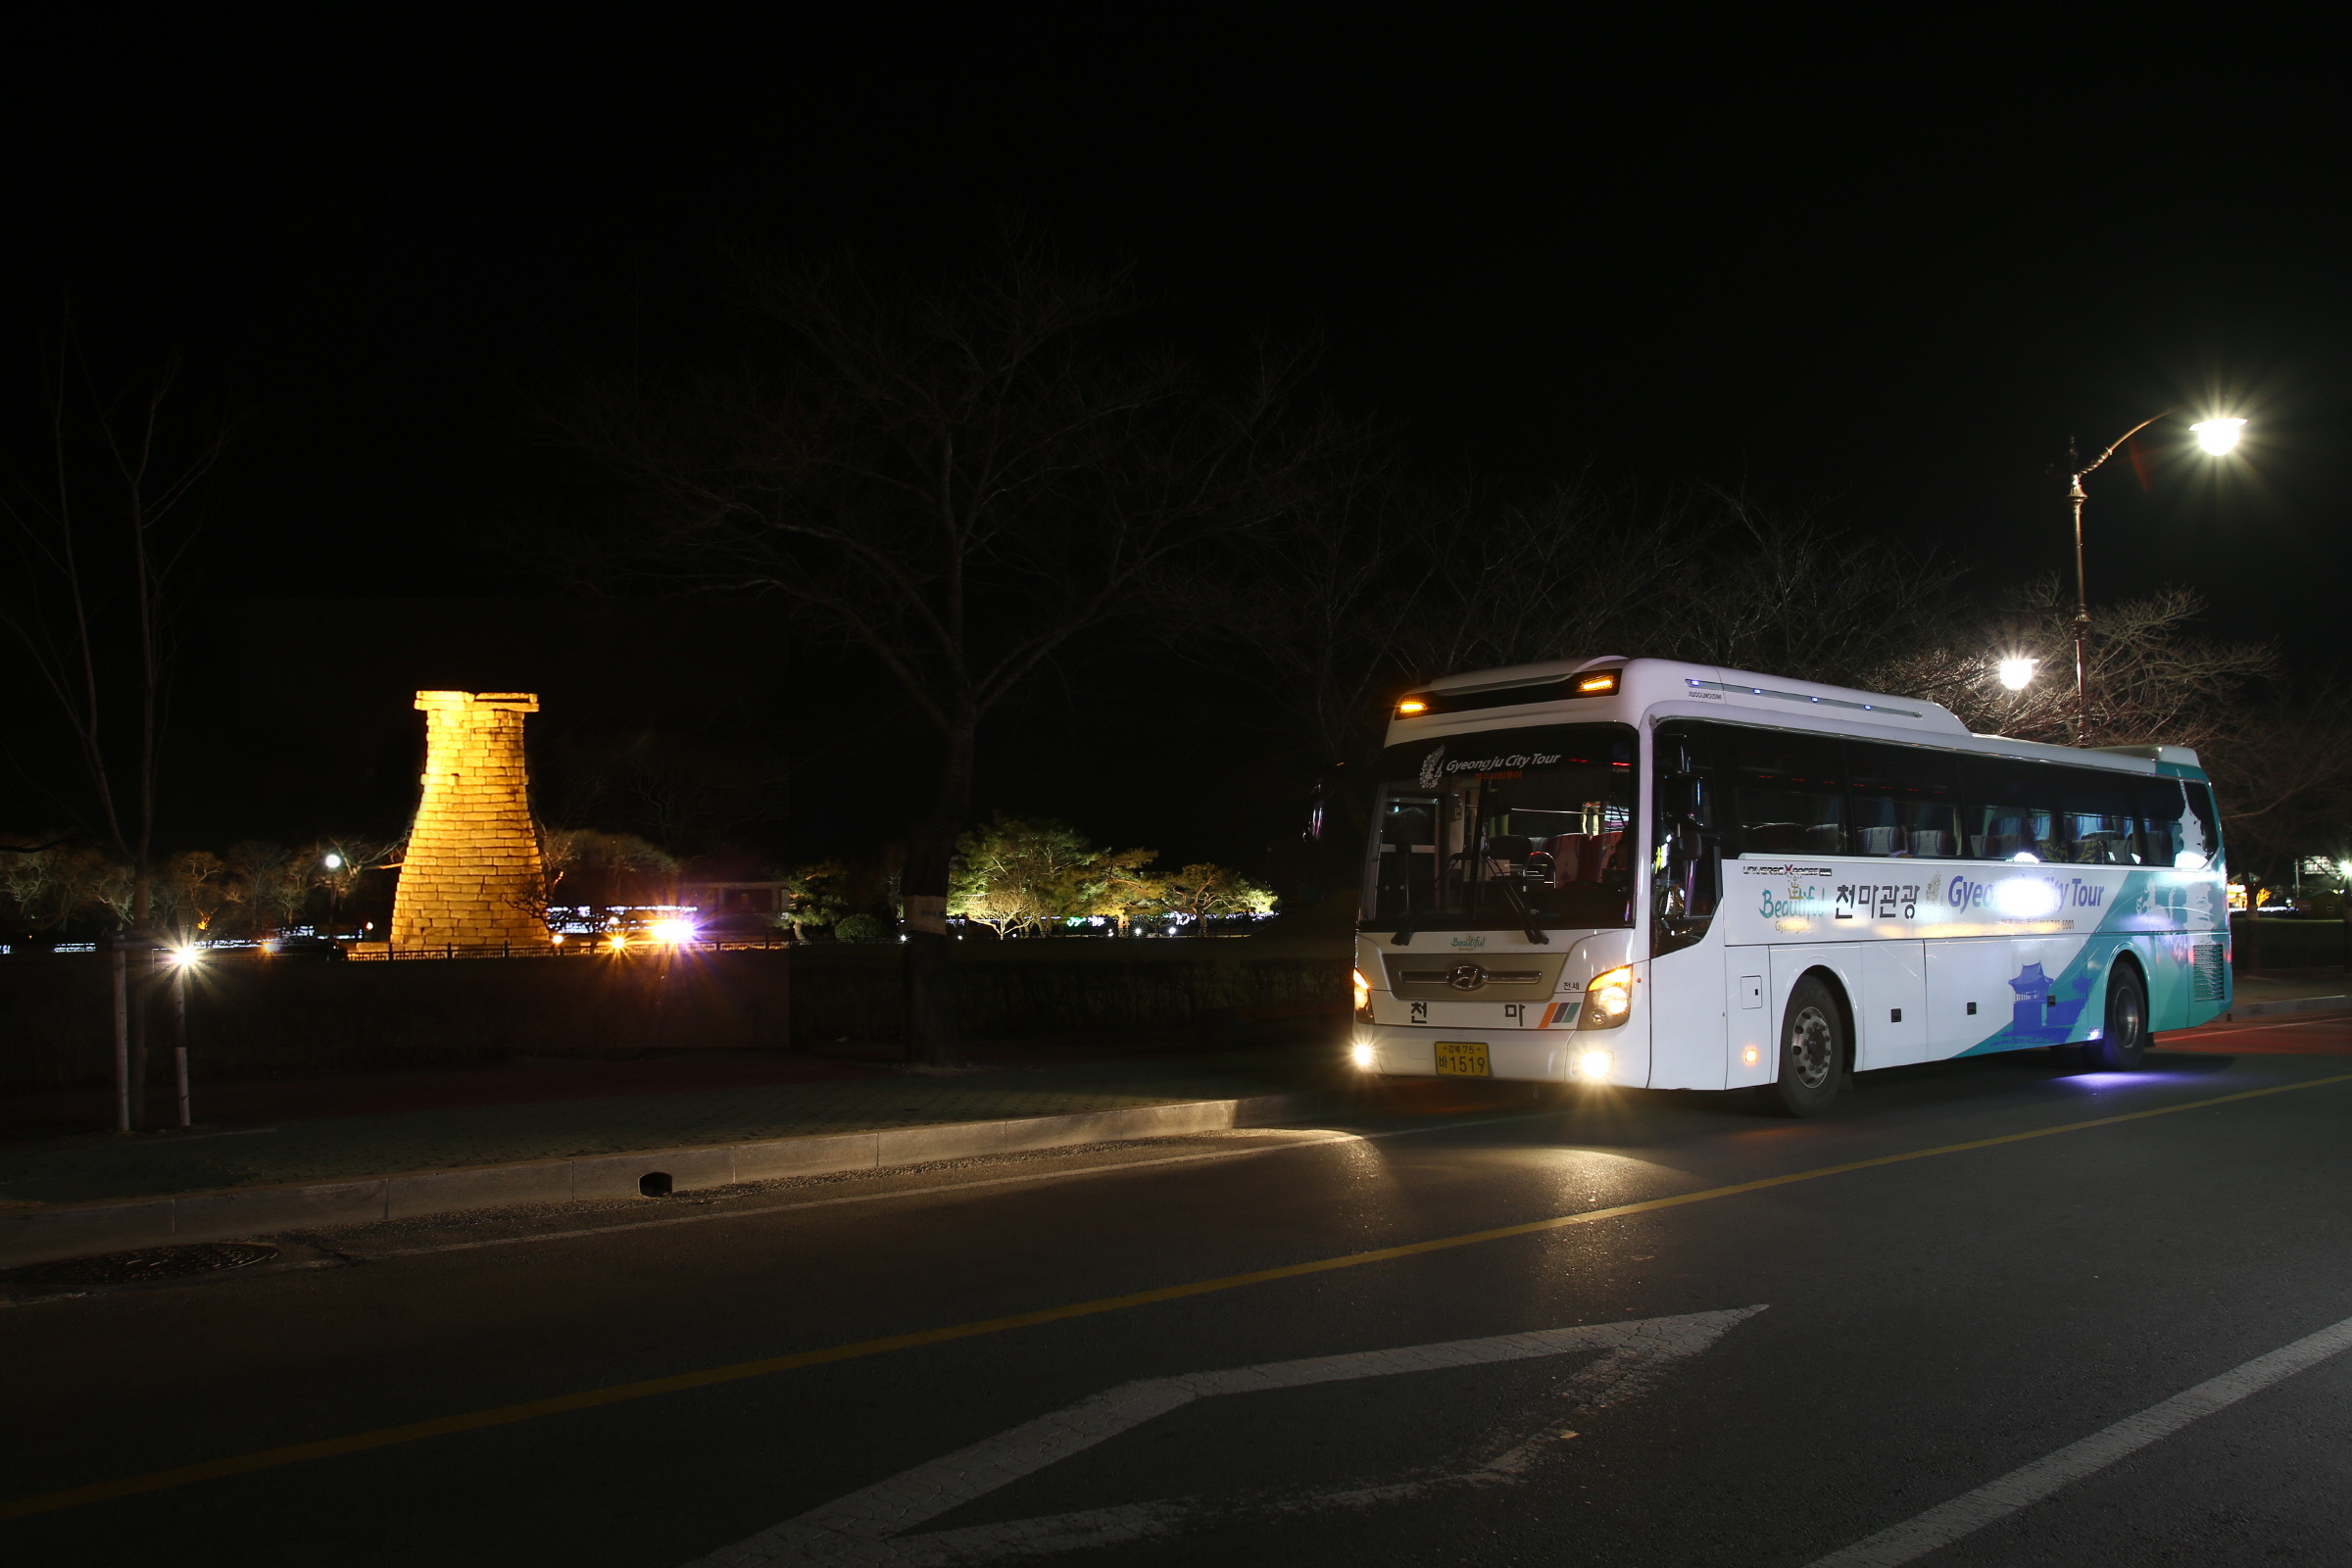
<point x="1463" y="1058"/>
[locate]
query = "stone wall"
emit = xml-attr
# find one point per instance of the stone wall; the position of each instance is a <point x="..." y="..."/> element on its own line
<point x="254" y="1017"/>
<point x="471" y="879"/>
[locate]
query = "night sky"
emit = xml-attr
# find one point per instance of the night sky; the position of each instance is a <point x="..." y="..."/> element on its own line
<point x="1888" y="273"/>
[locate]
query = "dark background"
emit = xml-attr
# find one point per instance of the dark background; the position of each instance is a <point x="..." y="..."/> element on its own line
<point x="1885" y="272"/>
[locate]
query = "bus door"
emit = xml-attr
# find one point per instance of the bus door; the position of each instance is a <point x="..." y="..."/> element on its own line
<point x="1686" y="1040"/>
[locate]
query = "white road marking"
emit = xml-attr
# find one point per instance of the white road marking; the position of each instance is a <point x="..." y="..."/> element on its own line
<point x="871" y="1526"/>
<point x="1067" y="1174"/>
<point x="1995" y="1500"/>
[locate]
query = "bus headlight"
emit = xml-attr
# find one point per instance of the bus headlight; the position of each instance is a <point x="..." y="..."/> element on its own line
<point x="1363" y="997"/>
<point x="1365" y="1054"/>
<point x="1608" y="999"/>
<point x="1594" y="1065"/>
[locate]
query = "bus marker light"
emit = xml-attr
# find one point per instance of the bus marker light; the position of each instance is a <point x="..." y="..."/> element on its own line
<point x="1597" y="685"/>
<point x="1411" y="705"/>
<point x="1747" y="1057"/>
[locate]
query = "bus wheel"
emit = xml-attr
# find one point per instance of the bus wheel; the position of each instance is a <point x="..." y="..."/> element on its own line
<point x="2124" y="1043"/>
<point x="1812" y="1053"/>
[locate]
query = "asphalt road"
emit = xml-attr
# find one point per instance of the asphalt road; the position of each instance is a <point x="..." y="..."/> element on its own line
<point x="1630" y="1329"/>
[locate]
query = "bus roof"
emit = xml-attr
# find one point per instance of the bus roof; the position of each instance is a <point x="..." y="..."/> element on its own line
<point x="1662" y="688"/>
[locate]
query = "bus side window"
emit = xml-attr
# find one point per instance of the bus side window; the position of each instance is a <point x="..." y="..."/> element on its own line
<point x="2096" y="824"/>
<point x="2176" y="825"/>
<point x="2202" y="827"/>
<point x="1689" y="856"/>
<point x="1904" y="798"/>
<point x="1792" y="795"/>
<point x="2010" y="809"/>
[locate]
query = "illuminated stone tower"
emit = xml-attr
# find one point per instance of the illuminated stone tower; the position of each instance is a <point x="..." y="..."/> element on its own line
<point x="471" y="877"/>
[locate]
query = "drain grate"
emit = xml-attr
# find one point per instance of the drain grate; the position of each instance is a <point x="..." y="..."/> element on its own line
<point x="155" y="1264"/>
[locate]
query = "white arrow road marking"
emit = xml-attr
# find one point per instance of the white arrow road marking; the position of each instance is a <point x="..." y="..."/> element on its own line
<point x="871" y="1526"/>
<point x="1972" y="1511"/>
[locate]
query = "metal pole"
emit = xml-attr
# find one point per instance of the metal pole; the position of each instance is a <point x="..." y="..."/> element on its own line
<point x="179" y="1036"/>
<point x="2081" y="619"/>
<point x="122" y="1036"/>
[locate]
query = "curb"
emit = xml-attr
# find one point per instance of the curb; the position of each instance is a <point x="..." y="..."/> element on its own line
<point x="2256" y="1009"/>
<point x="78" y="1230"/>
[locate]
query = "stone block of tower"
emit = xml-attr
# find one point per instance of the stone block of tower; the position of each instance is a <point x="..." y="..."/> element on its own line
<point x="471" y="878"/>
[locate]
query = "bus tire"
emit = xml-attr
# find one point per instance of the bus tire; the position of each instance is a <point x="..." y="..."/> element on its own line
<point x="2123" y="1043"/>
<point x="1813" y="1051"/>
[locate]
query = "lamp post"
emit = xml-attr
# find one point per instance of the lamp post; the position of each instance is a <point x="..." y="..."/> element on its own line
<point x="183" y="958"/>
<point x="334" y="891"/>
<point x="2216" y="437"/>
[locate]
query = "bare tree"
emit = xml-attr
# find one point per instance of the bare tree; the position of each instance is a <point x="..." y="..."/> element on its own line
<point x="2282" y="759"/>
<point x="2149" y="678"/>
<point x="1343" y="606"/>
<point x="101" y="520"/>
<point x="2282" y="768"/>
<point x="956" y="480"/>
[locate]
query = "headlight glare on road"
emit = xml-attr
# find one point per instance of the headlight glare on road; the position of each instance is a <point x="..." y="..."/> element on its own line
<point x="1609" y="998"/>
<point x="1594" y="1065"/>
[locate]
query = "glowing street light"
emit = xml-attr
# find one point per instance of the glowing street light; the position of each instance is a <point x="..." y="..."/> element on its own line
<point x="333" y="861"/>
<point x="2017" y="673"/>
<point x="2217" y="436"/>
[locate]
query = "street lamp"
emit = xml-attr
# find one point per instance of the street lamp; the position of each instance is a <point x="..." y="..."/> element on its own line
<point x="2216" y="437"/>
<point x="2017" y="673"/>
<point x="183" y="958"/>
<point x="334" y="891"/>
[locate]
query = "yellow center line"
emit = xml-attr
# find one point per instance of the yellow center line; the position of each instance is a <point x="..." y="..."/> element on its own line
<point x="620" y="1392"/>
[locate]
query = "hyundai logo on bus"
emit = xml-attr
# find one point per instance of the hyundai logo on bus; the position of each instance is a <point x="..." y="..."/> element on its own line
<point x="1466" y="976"/>
<point x="2013" y="892"/>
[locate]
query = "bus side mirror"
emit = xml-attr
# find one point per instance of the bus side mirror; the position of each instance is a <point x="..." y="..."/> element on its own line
<point x="1684" y="796"/>
<point x="1704" y="879"/>
<point x="1694" y="867"/>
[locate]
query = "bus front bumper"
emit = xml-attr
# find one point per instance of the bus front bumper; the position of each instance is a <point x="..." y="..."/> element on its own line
<point x="1520" y="1055"/>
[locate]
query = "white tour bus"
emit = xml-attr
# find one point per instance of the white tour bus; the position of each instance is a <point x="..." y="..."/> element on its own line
<point x="1653" y="874"/>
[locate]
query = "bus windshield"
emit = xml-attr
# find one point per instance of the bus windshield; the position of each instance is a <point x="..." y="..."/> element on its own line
<point x="1506" y="829"/>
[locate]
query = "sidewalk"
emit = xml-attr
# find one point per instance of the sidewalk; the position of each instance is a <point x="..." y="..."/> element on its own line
<point x="99" y="1167"/>
<point x="2254" y="994"/>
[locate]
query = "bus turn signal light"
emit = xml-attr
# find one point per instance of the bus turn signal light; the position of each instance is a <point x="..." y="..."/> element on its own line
<point x="1363" y="996"/>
